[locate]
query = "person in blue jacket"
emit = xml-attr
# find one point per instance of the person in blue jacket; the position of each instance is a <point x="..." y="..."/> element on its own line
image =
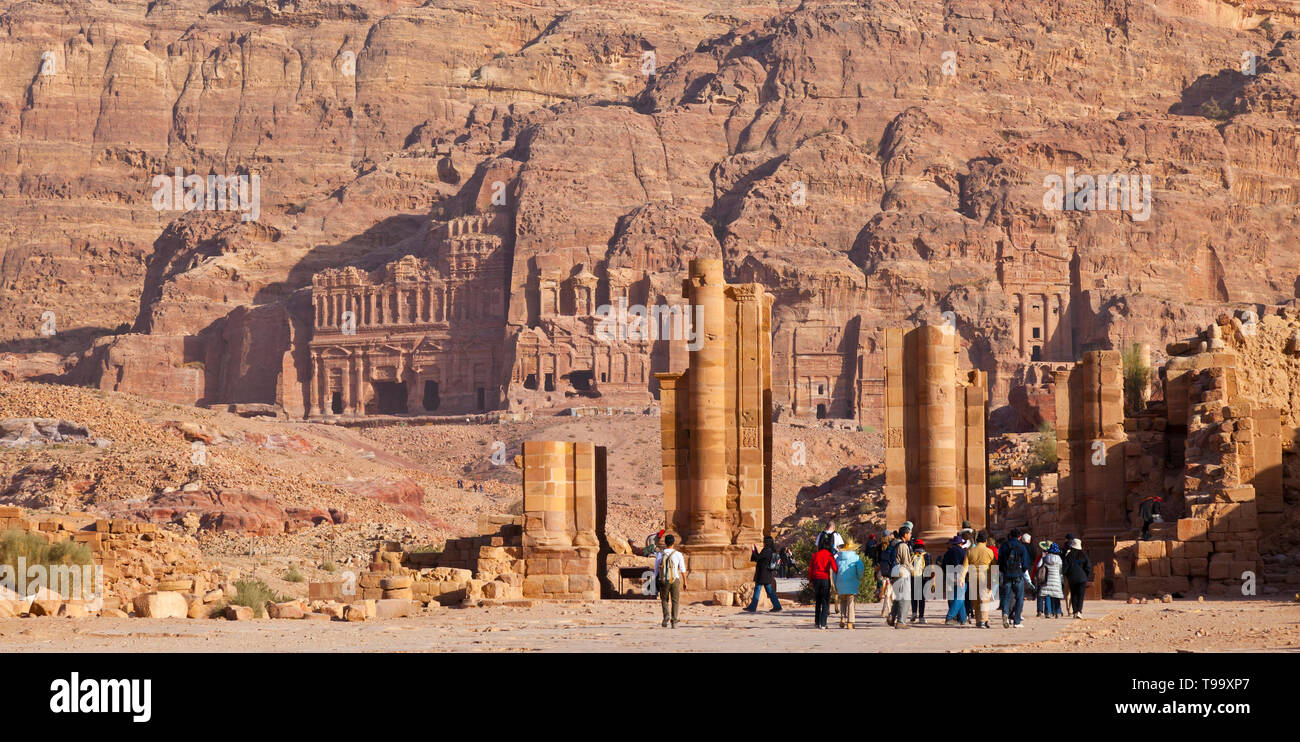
<point x="847" y="581"/>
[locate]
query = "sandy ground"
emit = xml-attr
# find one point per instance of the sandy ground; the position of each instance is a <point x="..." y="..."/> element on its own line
<point x="633" y="626"/>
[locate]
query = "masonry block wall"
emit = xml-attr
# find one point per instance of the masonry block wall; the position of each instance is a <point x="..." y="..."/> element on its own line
<point x="716" y="431"/>
<point x="564" y="494"/>
<point x="935" y="416"/>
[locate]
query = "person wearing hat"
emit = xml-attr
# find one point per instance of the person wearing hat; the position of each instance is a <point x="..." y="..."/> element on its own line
<point x="1039" y="551"/>
<point x="848" y="578"/>
<point x="921" y="560"/>
<point x="1050" y="587"/>
<point x="1077" y="570"/>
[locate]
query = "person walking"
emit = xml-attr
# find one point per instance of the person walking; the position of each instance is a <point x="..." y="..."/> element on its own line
<point x="1051" y="588"/>
<point x="820" y="570"/>
<point x="1036" y="559"/>
<point x="979" y="560"/>
<point x="836" y="541"/>
<point x="670" y="569"/>
<point x="768" y="561"/>
<point x="848" y="578"/>
<point x="1078" y="570"/>
<point x="1012" y="563"/>
<point x="1149" y="510"/>
<point x="901" y="575"/>
<point x="954" y="575"/>
<point x="921" y="559"/>
<point x="883" y="567"/>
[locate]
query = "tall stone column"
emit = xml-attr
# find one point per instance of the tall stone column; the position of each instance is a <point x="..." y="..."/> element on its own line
<point x="708" y="398"/>
<point x="1024" y="324"/>
<point x="938" y="417"/>
<point x="314" y="389"/>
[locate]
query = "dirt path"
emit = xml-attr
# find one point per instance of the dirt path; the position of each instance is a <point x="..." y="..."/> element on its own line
<point x="624" y="626"/>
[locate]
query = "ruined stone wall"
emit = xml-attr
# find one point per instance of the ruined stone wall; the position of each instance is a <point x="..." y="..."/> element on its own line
<point x="564" y="501"/>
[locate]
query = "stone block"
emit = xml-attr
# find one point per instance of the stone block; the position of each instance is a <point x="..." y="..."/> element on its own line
<point x="1193" y="529"/>
<point x="393" y="608"/>
<point x="160" y="605"/>
<point x="239" y="613"/>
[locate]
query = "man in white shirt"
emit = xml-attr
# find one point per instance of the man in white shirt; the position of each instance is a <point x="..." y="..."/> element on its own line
<point x="670" y="590"/>
<point x="837" y="541"/>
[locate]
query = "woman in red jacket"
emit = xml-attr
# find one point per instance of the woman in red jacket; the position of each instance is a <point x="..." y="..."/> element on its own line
<point x="820" y="569"/>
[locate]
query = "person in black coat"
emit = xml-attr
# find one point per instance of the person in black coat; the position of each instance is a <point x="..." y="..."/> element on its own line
<point x="1077" y="569"/>
<point x="768" y="561"/>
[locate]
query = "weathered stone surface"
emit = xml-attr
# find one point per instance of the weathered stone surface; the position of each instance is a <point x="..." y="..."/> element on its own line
<point x="160" y="605"/>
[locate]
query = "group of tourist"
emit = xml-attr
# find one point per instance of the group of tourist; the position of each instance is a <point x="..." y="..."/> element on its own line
<point x="973" y="567"/>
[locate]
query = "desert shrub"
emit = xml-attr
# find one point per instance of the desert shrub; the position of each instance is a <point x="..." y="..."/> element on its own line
<point x="253" y="594"/>
<point x="293" y="575"/>
<point x="1211" y="109"/>
<point x="999" y="479"/>
<point x="429" y="549"/>
<point x="516" y="507"/>
<point x="35" y="550"/>
<point x="1136" y="374"/>
<point x="1042" y="457"/>
<point x="328" y="567"/>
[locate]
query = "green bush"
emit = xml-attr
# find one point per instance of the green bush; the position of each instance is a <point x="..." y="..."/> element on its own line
<point x="328" y="567"/>
<point x="1043" y="453"/>
<point x="293" y="575"/>
<point x="999" y="479"/>
<point x="36" y="550"/>
<point x="1136" y="374"/>
<point x="253" y="594"/>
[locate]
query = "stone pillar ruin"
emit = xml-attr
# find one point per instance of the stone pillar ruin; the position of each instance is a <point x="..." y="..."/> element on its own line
<point x="716" y="426"/>
<point x="935" y="463"/>
<point x="564" y="506"/>
<point x="1091" y="443"/>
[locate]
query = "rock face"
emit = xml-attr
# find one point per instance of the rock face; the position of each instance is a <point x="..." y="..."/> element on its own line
<point x="872" y="166"/>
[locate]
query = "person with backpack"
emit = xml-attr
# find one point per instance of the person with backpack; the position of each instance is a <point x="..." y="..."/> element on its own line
<point x="1012" y="563"/>
<point x="821" y="567"/>
<point x="954" y="574"/>
<point x="883" y="588"/>
<point x="921" y="559"/>
<point x="900" y="574"/>
<point x="1078" y="570"/>
<point x="979" y="560"/>
<point x="670" y="569"/>
<point x="768" y="561"/>
<point x="848" y="578"/>
<point x="1050" y="586"/>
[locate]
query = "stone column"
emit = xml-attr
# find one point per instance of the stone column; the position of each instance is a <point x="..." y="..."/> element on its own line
<point x="345" y="387"/>
<point x="1024" y="324"/>
<point x="938" y="416"/>
<point x="708" y="398"/>
<point x="314" y="386"/>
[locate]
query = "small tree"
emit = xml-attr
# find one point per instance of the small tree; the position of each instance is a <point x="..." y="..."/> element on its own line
<point x="1136" y="376"/>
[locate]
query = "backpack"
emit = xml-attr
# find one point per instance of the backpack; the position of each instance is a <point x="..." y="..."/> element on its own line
<point x="1015" y="567"/>
<point x="667" y="570"/>
<point x="918" y="562"/>
<point x="774" y="562"/>
<point x="888" y="558"/>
